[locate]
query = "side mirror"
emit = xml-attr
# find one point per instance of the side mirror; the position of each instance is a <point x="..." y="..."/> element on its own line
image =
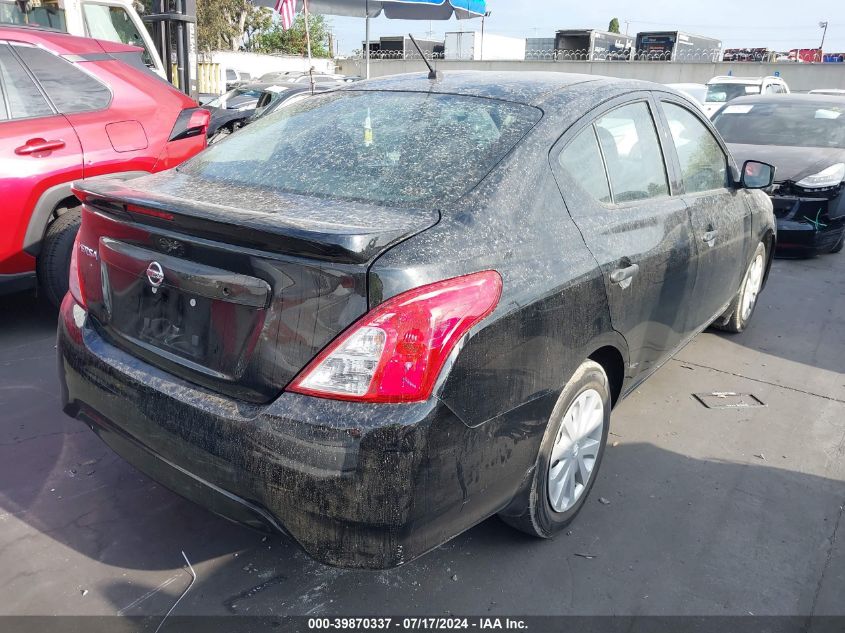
<point x="757" y="175"/>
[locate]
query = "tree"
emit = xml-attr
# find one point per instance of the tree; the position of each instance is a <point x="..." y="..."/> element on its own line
<point x="614" y="26"/>
<point x="293" y="41"/>
<point x="229" y="24"/>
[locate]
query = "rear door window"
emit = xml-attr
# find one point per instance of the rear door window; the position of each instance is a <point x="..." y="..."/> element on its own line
<point x="632" y="154"/>
<point x="703" y="163"/>
<point x="23" y="98"/>
<point x="582" y="160"/>
<point x="69" y="88"/>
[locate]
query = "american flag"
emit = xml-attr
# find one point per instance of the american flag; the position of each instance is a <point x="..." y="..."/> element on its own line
<point x="286" y="9"/>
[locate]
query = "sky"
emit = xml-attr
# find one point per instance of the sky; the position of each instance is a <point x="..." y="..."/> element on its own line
<point x="775" y="24"/>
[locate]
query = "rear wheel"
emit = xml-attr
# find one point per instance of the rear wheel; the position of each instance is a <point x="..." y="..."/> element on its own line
<point x="838" y="246"/>
<point x="746" y="299"/>
<point x="54" y="259"/>
<point x="570" y="455"/>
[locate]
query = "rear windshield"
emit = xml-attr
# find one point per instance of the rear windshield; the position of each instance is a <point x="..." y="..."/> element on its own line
<point x="720" y="93"/>
<point x="793" y="124"/>
<point x="389" y="147"/>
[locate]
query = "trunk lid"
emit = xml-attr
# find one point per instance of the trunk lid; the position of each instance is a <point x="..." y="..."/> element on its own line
<point x="233" y="288"/>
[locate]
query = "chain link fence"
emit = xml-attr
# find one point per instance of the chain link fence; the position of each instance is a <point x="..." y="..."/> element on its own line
<point x="704" y="55"/>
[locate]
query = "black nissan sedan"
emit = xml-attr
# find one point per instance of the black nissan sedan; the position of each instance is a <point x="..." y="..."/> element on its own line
<point x="803" y="136"/>
<point x="376" y="317"/>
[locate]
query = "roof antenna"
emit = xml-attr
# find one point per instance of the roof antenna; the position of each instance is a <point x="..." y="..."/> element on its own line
<point x="432" y="74"/>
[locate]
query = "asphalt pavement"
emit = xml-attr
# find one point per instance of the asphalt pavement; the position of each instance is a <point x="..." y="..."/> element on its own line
<point x="704" y="511"/>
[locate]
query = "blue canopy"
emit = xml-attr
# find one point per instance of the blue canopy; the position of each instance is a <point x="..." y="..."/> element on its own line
<point x="400" y="9"/>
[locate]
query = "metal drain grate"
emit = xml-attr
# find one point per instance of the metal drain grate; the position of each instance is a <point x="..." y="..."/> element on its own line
<point x="728" y="400"/>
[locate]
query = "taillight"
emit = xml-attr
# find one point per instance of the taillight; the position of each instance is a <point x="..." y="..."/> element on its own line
<point x="190" y="122"/>
<point x="395" y="352"/>
<point x="75" y="282"/>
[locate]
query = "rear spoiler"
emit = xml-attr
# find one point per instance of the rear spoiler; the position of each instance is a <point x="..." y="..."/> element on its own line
<point x="332" y="230"/>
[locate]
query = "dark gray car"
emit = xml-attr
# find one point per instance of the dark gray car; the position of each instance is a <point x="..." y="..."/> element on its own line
<point x="387" y="312"/>
<point x="803" y="136"/>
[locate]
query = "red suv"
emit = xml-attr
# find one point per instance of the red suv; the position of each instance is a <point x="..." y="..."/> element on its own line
<point x="73" y="108"/>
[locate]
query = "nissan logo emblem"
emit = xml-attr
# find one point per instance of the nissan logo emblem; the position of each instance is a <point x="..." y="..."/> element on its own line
<point x="155" y="274"/>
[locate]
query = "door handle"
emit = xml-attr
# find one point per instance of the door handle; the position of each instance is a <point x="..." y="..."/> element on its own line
<point x="709" y="237"/>
<point x="623" y="276"/>
<point x="38" y="145"/>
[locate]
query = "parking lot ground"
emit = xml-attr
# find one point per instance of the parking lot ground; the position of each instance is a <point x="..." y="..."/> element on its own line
<point x="696" y="511"/>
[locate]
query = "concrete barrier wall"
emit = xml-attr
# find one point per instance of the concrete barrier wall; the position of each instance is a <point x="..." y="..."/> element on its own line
<point x="800" y="77"/>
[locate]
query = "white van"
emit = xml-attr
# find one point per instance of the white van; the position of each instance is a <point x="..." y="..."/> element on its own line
<point x="720" y="90"/>
<point x="112" y="20"/>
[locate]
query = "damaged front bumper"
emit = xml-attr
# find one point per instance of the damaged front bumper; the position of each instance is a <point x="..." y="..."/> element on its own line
<point x="356" y="485"/>
<point x="808" y="225"/>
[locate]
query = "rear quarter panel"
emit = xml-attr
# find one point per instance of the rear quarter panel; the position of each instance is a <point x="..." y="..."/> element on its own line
<point x="553" y="311"/>
<point x="135" y="97"/>
<point x="504" y="379"/>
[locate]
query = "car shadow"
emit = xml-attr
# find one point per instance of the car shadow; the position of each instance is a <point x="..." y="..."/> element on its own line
<point x="677" y="534"/>
<point x="798" y="316"/>
<point x="661" y="532"/>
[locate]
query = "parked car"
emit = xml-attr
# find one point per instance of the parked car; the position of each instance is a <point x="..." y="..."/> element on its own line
<point x="247" y="103"/>
<point x="109" y="20"/>
<point x="324" y="79"/>
<point x="233" y="79"/>
<point x="279" y="76"/>
<point x="828" y="91"/>
<point x="295" y="76"/>
<point x="73" y="109"/>
<point x="392" y="310"/>
<point x="231" y="110"/>
<point x="281" y="96"/>
<point x="720" y="90"/>
<point x="804" y="137"/>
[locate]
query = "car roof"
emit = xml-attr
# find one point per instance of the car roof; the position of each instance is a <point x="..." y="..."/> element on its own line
<point x="792" y="98"/>
<point x="730" y="79"/>
<point x="263" y="85"/>
<point x="295" y="88"/>
<point x="527" y="87"/>
<point x="56" y="41"/>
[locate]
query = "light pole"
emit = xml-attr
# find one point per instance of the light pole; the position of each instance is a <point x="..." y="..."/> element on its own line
<point x="822" y="25"/>
<point x="483" y="17"/>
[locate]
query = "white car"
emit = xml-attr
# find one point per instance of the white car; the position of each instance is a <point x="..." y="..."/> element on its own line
<point x="720" y="90"/>
<point x="110" y="20"/>
<point x="837" y="92"/>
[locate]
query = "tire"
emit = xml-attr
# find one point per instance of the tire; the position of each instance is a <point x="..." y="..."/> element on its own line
<point x="838" y="246"/>
<point x="219" y="135"/>
<point x="752" y="282"/>
<point x="54" y="260"/>
<point x="539" y="517"/>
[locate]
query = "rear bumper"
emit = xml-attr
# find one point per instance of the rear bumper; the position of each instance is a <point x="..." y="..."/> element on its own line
<point x="356" y="485"/>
